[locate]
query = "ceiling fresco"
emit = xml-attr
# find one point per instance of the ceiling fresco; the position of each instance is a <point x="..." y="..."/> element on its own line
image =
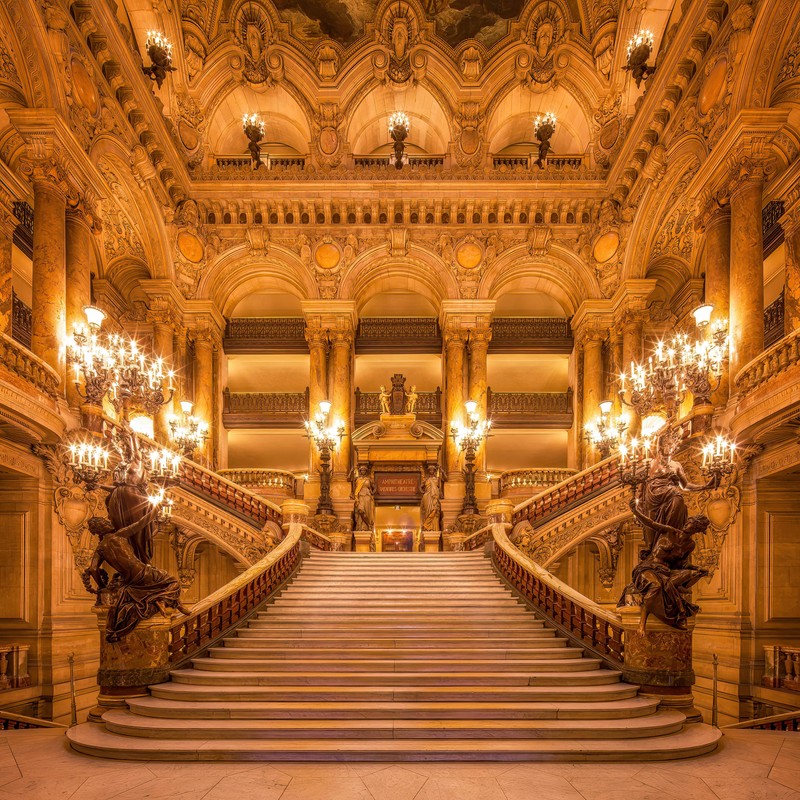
<point x="345" y="20"/>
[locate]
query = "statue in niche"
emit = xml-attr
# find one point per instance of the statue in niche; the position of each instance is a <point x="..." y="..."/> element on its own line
<point x="664" y="576"/>
<point x="431" y="504"/>
<point x="139" y="590"/>
<point x="411" y="400"/>
<point x="385" y="398"/>
<point x="662" y="495"/>
<point x="364" y="494"/>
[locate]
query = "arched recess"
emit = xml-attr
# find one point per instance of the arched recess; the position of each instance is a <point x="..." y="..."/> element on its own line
<point x="367" y="125"/>
<point x="671" y="274"/>
<point x="285" y="121"/>
<point x="234" y="275"/>
<point x="511" y="121"/>
<point x="420" y="272"/>
<point x="560" y="274"/>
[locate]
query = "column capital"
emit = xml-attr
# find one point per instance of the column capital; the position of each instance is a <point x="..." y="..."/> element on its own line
<point x="205" y="332"/>
<point x="748" y="166"/>
<point x="44" y="164"/>
<point x="593" y="321"/>
<point x="455" y="336"/>
<point x="161" y="311"/>
<point x="713" y="209"/>
<point x="466" y="314"/>
<point x="82" y="208"/>
<point x="480" y="338"/>
<point x="330" y="315"/>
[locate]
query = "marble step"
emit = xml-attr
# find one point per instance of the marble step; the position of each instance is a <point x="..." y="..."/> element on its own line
<point x="180" y="706"/>
<point x="97" y="740"/>
<point x="308" y="667"/>
<point x="354" y="613"/>
<point x="218" y="690"/>
<point x="446" y="622"/>
<point x="131" y="724"/>
<point x="232" y="650"/>
<point x="389" y="602"/>
<point x="248" y="638"/>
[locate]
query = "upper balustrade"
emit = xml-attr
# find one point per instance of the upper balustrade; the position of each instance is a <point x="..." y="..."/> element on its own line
<point x="521" y="482"/>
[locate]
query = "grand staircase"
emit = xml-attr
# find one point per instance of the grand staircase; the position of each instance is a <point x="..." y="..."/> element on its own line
<point x="394" y="657"/>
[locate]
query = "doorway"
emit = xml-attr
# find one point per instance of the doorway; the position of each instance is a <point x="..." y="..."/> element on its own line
<point x="397" y="529"/>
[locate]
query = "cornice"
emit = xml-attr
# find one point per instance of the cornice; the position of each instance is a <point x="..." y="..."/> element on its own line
<point x="466" y="314"/>
<point x="332" y="314"/>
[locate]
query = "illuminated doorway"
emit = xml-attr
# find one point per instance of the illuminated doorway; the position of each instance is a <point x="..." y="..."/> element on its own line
<point x="397" y="529"/>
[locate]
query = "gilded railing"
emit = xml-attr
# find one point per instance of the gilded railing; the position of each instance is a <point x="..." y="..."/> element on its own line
<point x="579" y="617"/>
<point x="21" y="362"/>
<point x="521" y="479"/>
<point x="265" y="329"/>
<point x="21" y="321"/>
<point x="264" y="402"/>
<point x="773" y="361"/>
<point x="428" y="403"/>
<point x="214" y="616"/>
<point x="278" y="480"/>
<point x="316" y="539"/>
<point x="774" y="320"/>
<point x="529" y="402"/>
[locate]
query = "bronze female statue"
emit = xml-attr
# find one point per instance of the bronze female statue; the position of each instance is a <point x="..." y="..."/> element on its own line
<point x="664" y="576"/>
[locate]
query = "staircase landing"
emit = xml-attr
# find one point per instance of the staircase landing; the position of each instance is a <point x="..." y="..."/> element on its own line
<point x="394" y="657"/>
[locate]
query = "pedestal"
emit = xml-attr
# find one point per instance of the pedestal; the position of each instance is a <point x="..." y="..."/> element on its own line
<point x="129" y="666"/>
<point x="660" y="661"/>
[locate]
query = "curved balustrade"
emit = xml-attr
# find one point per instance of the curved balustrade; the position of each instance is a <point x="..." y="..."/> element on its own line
<point x="21" y="362"/>
<point x="316" y="539"/>
<point x="478" y="539"/>
<point x="519" y="480"/>
<point x="277" y="480"/>
<point x="771" y="363"/>
<point x="558" y="498"/>
<point x="212" y="617"/>
<point x="576" y="615"/>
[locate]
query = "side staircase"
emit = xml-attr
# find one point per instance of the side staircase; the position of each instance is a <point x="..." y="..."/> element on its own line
<point x="394" y="657"/>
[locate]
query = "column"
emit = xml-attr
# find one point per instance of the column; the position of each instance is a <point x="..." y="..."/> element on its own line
<point x="718" y="278"/>
<point x="49" y="284"/>
<point x="454" y="350"/>
<point x="317" y="382"/>
<point x="592" y="381"/>
<point x="7" y="224"/>
<point x="341" y="387"/>
<point x="204" y="382"/>
<point x="80" y="263"/>
<point x="478" y="352"/>
<point x="162" y="346"/>
<point x="181" y="366"/>
<point x="791" y="293"/>
<point x="632" y="342"/>
<point x="747" y="270"/>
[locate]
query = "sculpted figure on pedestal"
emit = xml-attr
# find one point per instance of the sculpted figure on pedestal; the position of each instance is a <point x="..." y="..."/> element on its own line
<point x="385" y="398"/>
<point x="431" y="505"/>
<point x="411" y="400"/>
<point x="363" y="492"/>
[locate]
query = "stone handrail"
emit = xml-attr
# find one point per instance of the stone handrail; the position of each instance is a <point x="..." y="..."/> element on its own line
<point x="261" y="478"/>
<point x="227" y="494"/>
<point x="781" y="667"/>
<point x="479" y="538"/>
<point x="774" y="360"/>
<point x="215" y="615"/>
<point x="790" y="721"/>
<point x="542" y="478"/>
<point x="316" y="539"/>
<point x="580" y="618"/>
<point x="19" y="722"/>
<point x="558" y="498"/>
<point x="20" y="361"/>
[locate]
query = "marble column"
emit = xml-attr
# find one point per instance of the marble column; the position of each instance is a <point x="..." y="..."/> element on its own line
<point x="341" y="388"/>
<point x="49" y="324"/>
<point x="181" y="366"/>
<point x="162" y="346"/>
<point x="204" y="383"/>
<point x="6" y="272"/>
<point x="747" y="273"/>
<point x="478" y="358"/>
<point x="317" y="382"/>
<point x="80" y="263"/>
<point x="592" y="382"/>
<point x="791" y="293"/>
<point x="717" y="258"/>
<point x="455" y="346"/>
<point x="632" y="342"/>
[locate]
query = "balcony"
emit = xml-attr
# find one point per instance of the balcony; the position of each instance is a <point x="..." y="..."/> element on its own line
<point x="528" y="162"/>
<point x="549" y="410"/>
<point x="245" y="410"/>
<point x="368" y="407"/>
<point x="531" y="335"/>
<point x="21" y="321"/>
<point x="398" y="335"/>
<point x="773" y="321"/>
<point x="781" y="667"/>
<point x="268" y="335"/>
<point x="525" y="482"/>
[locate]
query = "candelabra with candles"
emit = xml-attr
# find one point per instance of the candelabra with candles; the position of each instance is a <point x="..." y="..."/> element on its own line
<point x="399" y="126"/>
<point x="326" y="435"/>
<point x="88" y="461"/>
<point x="544" y="126"/>
<point x="640" y="48"/>
<point x="719" y="459"/>
<point x="253" y="127"/>
<point x="187" y="431"/>
<point x="468" y="438"/>
<point x="159" y="49"/>
<point x="606" y="430"/>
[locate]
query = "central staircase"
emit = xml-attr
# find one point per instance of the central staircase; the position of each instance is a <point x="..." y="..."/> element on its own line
<point x="394" y="657"/>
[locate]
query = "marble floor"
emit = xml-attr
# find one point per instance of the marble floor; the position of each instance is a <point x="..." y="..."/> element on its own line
<point x="750" y="765"/>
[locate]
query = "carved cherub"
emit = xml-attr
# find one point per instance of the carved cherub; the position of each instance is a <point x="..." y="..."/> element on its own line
<point x="385" y="398"/>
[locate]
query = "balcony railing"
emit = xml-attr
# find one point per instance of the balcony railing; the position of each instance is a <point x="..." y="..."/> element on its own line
<point x="531" y="335"/>
<point x="368" y="407"/>
<point x="16" y="358"/>
<point x="264" y="409"/>
<point x="790" y="721"/>
<point x="387" y="162"/>
<point x="21" y="321"/>
<point x="781" y="667"/>
<point x="530" y="409"/>
<point x="265" y="335"/>
<point x="773" y="320"/>
<point x="263" y="481"/>
<point x="785" y="353"/>
<point x="528" y="161"/>
<point x="399" y="335"/>
<point x="524" y="481"/>
<point x="244" y="162"/>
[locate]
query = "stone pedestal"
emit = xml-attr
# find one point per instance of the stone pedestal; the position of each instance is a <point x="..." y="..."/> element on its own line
<point x="660" y="661"/>
<point x="128" y="667"/>
<point x="453" y="540"/>
<point x="363" y="541"/>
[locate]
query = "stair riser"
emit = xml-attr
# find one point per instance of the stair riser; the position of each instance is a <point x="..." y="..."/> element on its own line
<point x="389" y="667"/>
<point x="255" y="639"/>
<point x="494" y="656"/>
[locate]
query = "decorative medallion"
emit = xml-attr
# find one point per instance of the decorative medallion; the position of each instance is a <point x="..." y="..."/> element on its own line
<point x="83" y="88"/>
<point x="469" y="255"/>
<point x="606" y="246"/>
<point x="328" y="141"/>
<point x="327" y="256"/>
<point x="609" y="134"/>
<point x="189" y="136"/>
<point x="190" y="246"/>
<point x="714" y="87"/>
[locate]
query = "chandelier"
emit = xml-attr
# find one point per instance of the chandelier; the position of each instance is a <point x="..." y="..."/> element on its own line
<point x="544" y="126"/>
<point x="159" y="49"/>
<point x="640" y="48"/>
<point x="187" y="431"/>
<point x="681" y="365"/>
<point x="399" y="127"/>
<point x="606" y="431"/>
<point x="468" y="438"/>
<point x="89" y="462"/>
<point x="113" y="365"/>
<point x="326" y="436"/>
<point x="253" y="127"/>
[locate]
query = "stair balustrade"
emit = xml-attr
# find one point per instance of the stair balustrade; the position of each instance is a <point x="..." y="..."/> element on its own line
<point x="19" y="722"/>
<point x="790" y="721"/>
